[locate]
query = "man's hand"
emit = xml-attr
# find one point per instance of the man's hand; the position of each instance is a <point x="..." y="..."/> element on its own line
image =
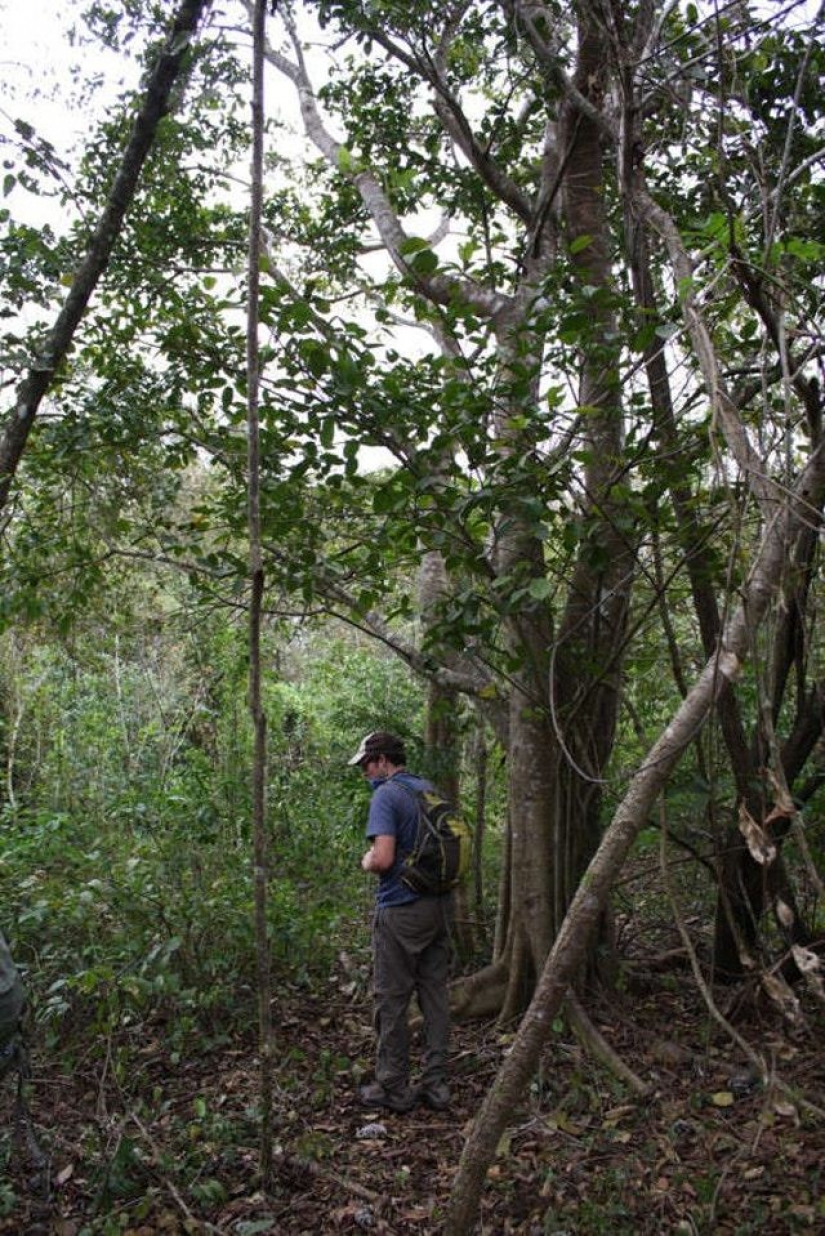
<point x="380" y="856"/>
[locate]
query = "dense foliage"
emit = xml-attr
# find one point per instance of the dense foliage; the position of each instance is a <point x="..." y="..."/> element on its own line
<point x="126" y="870"/>
<point x="541" y="420"/>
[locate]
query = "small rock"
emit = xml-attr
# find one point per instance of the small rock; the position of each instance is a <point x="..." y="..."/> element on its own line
<point x="744" y="1083"/>
<point x="371" y="1131"/>
<point x="668" y="1053"/>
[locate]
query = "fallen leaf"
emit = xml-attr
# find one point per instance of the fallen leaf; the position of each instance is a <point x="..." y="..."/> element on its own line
<point x="722" y="1098"/>
<point x="65" y="1174"/>
<point x="562" y="1122"/>
<point x="616" y="1113"/>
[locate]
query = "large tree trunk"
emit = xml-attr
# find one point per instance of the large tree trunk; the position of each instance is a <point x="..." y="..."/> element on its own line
<point x="589" y="651"/>
<point x="564" y="695"/>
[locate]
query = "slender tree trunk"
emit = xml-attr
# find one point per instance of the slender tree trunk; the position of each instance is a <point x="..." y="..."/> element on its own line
<point x="481" y="761"/>
<point x="256" y="570"/>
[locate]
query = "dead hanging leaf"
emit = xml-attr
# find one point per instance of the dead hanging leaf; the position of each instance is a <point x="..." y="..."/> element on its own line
<point x="784" y="913"/>
<point x="781" y="994"/>
<point x="809" y="965"/>
<point x="762" y="850"/>
<point x="807" y="961"/>
<point x="783" y="803"/>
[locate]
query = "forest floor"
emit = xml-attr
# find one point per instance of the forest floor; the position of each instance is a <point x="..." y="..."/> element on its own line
<point x="168" y="1143"/>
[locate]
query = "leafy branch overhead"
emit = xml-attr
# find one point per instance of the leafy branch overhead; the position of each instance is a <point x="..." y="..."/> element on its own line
<point x="169" y="64"/>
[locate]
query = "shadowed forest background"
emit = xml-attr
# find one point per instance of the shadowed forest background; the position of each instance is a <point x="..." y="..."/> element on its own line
<point x="487" y="408"/>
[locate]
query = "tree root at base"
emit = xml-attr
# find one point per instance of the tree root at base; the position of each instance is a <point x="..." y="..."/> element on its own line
<point x="481" y="995"/>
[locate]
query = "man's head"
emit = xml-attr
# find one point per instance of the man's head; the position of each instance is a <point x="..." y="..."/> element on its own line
<point x="379" y="752"/>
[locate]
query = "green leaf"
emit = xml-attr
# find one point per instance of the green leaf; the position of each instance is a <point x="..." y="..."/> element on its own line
<point x="316" y="357"/>
<point x="412" y="244"/>
<point x="539" y="589"/>
<point x="346" y="162"/>
<point x="424" y="262"/>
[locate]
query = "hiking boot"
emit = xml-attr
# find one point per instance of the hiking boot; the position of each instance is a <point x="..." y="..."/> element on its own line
<point x="373" y="1094"/>
<point x="435" y="1095"/>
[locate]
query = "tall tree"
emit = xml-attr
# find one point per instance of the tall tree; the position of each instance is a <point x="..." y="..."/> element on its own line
<point x="528" y="186"/>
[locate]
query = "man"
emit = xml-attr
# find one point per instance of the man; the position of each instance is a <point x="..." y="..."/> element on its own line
<point x="410" y="936"/>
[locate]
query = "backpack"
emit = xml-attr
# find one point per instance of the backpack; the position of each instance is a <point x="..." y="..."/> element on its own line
<point x="441" y="854"/>
<point x="12" y="1000"/>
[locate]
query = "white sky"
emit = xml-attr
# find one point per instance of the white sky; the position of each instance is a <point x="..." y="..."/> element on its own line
<point x="44" y="81"/>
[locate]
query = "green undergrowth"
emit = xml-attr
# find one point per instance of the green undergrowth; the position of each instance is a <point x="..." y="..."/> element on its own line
<point x="124" y="927"/>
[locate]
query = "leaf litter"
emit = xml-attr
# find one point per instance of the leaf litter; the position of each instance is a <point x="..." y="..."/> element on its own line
<point x="173" y="1147"/>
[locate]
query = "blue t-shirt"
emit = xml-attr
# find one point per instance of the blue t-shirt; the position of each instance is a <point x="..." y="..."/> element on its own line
<point x="394" y="813"/>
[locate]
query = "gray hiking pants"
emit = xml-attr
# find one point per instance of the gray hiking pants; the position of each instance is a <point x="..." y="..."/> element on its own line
<point x="411" y="954"/>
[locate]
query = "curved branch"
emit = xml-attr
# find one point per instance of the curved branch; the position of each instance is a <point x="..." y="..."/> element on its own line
<point x="155" y="104"/>
<point x="439" y="288"/>
<point x="525" y="15"/>
<point x="591" y="897"/>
